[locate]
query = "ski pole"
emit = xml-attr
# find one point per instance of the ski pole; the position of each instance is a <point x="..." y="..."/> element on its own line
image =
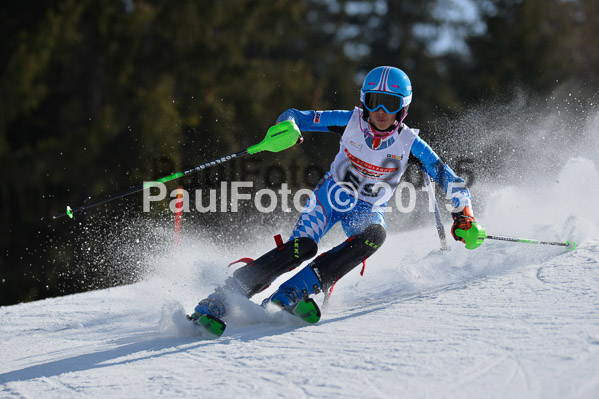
<point x="433" y="200"/>
<point x="569" y="245"/>
<point x="475" y="236"/>
<point x="278" y="138"/>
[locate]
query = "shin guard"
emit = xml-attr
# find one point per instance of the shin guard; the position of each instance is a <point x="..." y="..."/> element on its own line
<point x="258" y="275"/>
<point x="336" y="263"/>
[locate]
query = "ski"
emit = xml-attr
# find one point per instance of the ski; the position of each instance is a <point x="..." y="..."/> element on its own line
<point x="211" y="324"/>
<point x="306" y="310"/>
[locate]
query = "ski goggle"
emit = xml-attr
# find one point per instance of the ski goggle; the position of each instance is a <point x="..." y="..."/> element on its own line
<point x="390" y="103"/>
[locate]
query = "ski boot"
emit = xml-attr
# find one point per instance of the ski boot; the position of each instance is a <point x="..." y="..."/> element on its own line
<point x="208" y="314"/>
<point x="210" y="311"/>
<point x="293" y="295"/>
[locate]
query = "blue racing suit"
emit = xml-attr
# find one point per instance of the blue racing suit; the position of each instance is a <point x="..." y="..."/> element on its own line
<point x="321" y="213"/>
<point x="362" y="221"/>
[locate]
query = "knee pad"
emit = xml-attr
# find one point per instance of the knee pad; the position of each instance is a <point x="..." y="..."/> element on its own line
<point x="258" y="275"/>
<point x="374" y="236"/>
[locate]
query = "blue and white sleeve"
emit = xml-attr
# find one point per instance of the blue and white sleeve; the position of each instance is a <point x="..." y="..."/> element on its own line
<point x="453" y="185"/>
<point x="316" y="121"/>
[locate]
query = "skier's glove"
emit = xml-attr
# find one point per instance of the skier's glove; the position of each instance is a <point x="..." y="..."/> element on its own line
<point x="462" y="220"/>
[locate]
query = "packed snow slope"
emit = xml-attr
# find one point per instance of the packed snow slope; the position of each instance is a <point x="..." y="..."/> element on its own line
<point x="506" y="320"/>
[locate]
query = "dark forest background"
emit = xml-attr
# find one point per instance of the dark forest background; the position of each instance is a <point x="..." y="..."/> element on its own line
<point x="98" y="96"/>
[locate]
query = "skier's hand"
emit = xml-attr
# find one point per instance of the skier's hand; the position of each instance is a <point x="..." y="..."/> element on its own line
<point x="462" y="220"/>
<point x="466" y="230"/>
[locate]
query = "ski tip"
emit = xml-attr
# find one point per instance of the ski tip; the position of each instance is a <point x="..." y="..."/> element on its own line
<point x="307" y="310"/>
<point x="570" y="245"/>
<point x="213" y="325"/>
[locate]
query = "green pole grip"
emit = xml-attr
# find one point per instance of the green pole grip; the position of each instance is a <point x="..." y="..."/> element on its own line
<point x="474" y="236"/>
<point x="279" y="137"/>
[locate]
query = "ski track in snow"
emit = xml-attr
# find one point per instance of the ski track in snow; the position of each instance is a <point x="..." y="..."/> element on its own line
<point x="506" y="320"/>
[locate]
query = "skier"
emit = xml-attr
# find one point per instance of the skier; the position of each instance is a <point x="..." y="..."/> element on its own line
<point x="375" y="147"/>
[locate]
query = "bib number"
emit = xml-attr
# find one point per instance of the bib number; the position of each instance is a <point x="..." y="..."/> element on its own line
<point x="372" y="190"/>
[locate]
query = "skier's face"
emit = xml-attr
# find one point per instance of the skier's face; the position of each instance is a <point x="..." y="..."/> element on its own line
<point x="381" y="119"/>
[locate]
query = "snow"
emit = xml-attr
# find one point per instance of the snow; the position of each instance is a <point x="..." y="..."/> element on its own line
<point x="531" y="330"/>
<point x="506" y="320"/>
